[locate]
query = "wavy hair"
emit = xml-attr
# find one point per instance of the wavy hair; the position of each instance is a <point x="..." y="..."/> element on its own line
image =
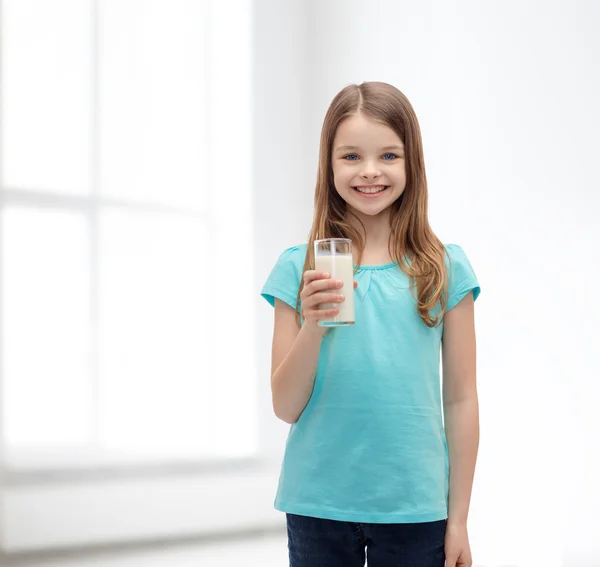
<point x="411" y="237"/>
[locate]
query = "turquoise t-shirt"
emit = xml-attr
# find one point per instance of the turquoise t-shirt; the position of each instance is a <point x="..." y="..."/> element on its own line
<point x="370" y="446"/>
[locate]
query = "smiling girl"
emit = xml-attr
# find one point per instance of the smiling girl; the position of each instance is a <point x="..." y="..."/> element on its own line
<point x="372" y="467"/>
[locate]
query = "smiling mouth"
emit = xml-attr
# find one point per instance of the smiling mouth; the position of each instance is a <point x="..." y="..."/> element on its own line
<point x="370" y="189"/>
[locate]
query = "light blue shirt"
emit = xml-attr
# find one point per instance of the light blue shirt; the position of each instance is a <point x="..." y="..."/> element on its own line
<point x="370" y="446"/>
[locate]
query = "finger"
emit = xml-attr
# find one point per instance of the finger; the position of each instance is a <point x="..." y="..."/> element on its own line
<point x="450" y="562"/>
<point x="319" y="298"/>
<point x="318" y="314"/>
<point x="322" y="285"/>
<point x="326" y="313"/>
<point x="355" y="284"/>
<point x="312" y="275"/>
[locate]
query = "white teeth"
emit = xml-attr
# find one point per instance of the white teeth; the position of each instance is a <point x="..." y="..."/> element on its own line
<point x="370" y="190"/>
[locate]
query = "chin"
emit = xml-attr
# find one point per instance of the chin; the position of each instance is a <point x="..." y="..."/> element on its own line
<point x="370" y="211"/>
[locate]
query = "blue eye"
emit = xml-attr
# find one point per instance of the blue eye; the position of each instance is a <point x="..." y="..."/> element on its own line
<point x="354" y="157"/>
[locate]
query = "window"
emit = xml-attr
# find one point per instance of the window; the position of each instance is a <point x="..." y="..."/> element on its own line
<point x="125" y="233"/>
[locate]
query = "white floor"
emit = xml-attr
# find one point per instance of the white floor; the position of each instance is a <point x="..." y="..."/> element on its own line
<point x="265" y="550"/>
<point x="268" y="550"/>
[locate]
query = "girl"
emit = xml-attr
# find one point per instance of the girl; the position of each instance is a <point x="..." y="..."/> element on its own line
<point x="370" y="468"/>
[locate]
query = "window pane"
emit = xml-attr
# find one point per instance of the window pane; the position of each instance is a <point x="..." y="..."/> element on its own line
<point x="153" y="102"/>
<point x="45" y="302"/>
<point x="231" y="111"/>
<point x="158" y="299"/>
<point x="45" y="94"/>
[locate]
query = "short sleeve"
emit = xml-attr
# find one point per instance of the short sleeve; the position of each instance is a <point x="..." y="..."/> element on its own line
<point x="285" y="277"/>
<point x="462" y="276"/>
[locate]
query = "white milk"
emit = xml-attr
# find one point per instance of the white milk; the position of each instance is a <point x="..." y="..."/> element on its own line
<point x="339" y="267"/>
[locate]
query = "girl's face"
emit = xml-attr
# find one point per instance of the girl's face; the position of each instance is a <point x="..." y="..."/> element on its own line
<point x="368" y="164"/>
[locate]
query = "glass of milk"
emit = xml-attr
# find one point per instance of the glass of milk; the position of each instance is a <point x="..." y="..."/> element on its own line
<point x="334" y="256"/>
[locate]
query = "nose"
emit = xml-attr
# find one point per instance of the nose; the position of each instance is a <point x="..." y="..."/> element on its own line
<point x="370" y="171"/>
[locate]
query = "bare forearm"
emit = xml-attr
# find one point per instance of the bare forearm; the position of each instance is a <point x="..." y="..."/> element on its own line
<point x="293" y="381"/>
<point x="462" y="433"/>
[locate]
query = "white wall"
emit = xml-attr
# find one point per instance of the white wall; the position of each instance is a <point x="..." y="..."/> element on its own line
<point x="284" y="168"/>
<point x="104" y="509"/>
<point x="504" y="93"/>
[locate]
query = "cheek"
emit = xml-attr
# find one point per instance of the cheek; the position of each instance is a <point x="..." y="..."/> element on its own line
<point x="340" y="183"/>
<point x="401" y="172"/>
<point x="338" y="176"/>
<point x="341" y="174"/>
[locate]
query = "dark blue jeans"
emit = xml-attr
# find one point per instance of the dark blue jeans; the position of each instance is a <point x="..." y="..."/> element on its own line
<point x="314" y="542"/>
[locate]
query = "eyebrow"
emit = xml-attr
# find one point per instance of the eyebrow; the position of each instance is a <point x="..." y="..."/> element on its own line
<point x="387" y="148"/>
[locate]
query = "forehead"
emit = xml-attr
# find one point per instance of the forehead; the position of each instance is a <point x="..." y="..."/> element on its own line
<point x="362" y="131"/>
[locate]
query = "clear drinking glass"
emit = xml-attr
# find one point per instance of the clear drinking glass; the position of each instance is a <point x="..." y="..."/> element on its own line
<point x="334" y="256"/>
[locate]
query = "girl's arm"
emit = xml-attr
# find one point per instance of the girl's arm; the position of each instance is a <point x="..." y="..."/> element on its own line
<point x="461" y="408"/>
<point x="294" y="361"/>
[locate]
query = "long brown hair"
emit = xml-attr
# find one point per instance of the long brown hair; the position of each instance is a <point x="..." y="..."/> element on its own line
<point x="411" y="235"/>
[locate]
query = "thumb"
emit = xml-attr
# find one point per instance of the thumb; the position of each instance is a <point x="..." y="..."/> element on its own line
<point x="355" y="284"/>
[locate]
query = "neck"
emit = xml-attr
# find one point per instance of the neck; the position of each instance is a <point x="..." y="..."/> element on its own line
<point x="377" y="230"/>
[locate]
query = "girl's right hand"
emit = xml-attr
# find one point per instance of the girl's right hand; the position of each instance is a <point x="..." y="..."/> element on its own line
<point x="320" y="288"/>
